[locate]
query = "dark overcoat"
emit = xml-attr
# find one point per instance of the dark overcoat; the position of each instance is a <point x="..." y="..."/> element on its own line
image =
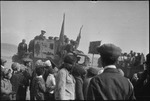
<point x="110" y="85"/>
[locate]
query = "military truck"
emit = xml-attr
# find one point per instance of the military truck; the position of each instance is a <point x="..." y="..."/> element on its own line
<point x="47" y="50"/>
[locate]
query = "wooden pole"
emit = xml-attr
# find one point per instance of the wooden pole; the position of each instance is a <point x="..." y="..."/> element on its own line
<point x="92" y="59"/>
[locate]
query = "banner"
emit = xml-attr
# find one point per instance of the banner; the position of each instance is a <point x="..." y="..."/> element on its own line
<point x="78" y="38"/>
<point x="44" y="48"/>
<point x="93" y="47"/>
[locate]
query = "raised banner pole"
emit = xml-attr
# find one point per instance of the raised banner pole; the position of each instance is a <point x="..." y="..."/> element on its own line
<point x="92" y="59"/>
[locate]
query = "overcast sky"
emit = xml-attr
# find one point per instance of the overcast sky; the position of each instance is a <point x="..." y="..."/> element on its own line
<point x="123" y="23"/>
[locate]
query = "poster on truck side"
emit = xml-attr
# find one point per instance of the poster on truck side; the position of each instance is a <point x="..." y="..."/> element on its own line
<point x="44" y="48"/>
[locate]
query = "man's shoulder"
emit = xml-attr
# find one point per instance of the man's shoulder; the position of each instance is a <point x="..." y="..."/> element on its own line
<point x="62" y="70"/>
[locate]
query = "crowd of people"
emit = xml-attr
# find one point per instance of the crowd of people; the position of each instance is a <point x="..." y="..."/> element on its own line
<point x="71" y="81"/>
<point x="131" y="62"/>
<point x="45" y="82"/>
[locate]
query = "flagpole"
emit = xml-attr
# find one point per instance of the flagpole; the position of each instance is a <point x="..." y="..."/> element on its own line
<point x="92" y="59"/>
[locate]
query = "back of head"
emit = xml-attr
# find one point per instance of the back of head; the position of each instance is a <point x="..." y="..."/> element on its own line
<point x="78" y="71"/>
<point x="15" y="66"/>
<point x="109" y="53"/>
<point x="23" y="40"/>
<point x="70" y="58"/>
<point x="92" y="72"/>
<point x="39" y="63"/>
<point x="39" y="70"/>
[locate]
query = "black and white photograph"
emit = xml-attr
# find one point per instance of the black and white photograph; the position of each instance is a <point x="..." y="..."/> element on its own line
<point x="75" y="50"/>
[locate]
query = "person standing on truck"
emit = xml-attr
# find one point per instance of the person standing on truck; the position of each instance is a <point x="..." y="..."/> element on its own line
<point x="41" y="36"/>
<point x="22" y="48"/>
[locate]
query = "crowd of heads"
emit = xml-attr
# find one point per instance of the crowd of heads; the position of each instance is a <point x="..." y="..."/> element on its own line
<point x="110" y="55"/>
<point x="131" y="59"/>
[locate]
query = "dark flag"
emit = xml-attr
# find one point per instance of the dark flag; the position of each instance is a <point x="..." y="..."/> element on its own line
<point x="78" y="38"/>
<point x="61" y="37"/>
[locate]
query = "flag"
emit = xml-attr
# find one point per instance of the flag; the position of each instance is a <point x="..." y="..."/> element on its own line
<point x="61" y="36"/>
<point x="78" y="38"/>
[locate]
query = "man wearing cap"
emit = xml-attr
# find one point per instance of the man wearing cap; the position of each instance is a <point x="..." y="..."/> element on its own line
<point x="15" y="79"/>
<point x="38" y="63"/>
<point x="41" y="36"/>
<point x="22" y="48"/>
<point x="110" y="85"/>
<point x="27" y="62"/>
<point x="65" y="82"/>
<point x="91" y="72"/>
<point x="141" y="81"/>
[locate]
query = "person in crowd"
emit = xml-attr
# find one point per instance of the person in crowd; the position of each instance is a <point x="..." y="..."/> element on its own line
<point x="65" y="82"/>
<point x="50" y="85"/>
<point x="6" y="86"/>
<point x="110" y="85"/>
<point x="50" y="37"/>
<point x="23" y="80"/>
<point x="79" y="75"/>
<point x="91" y="72"/>
<point x="38" y="63"/>
<point x="39" y="84"/>
<point x="3" y="62"/>
<point x="22" y="48"/>
<point x="137" y="59"/>
<point x="27" y="62"/>
<point x="47" y="65"/>
<point x="141" y="81"/>
<point x="99" y="68"/>
<point x="99" y="62"/>
<point x="31" y="46"/>
<point x="121" y="71"/>
<point x="41" y="36"/>
<point x="15" y="78"/>
<point x="15" y="67"/>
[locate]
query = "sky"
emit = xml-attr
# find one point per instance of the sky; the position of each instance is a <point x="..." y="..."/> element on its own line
<point x="123" y="23"/>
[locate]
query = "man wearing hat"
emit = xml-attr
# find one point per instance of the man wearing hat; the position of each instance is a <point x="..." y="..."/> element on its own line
<point x="141" y="81"/>
<point x="41" y="36"/>
<point x="38" y="63"/>
<point x="110" y="85"/>
<point x="91" y="72"/>
<point x="65" y="82"/>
